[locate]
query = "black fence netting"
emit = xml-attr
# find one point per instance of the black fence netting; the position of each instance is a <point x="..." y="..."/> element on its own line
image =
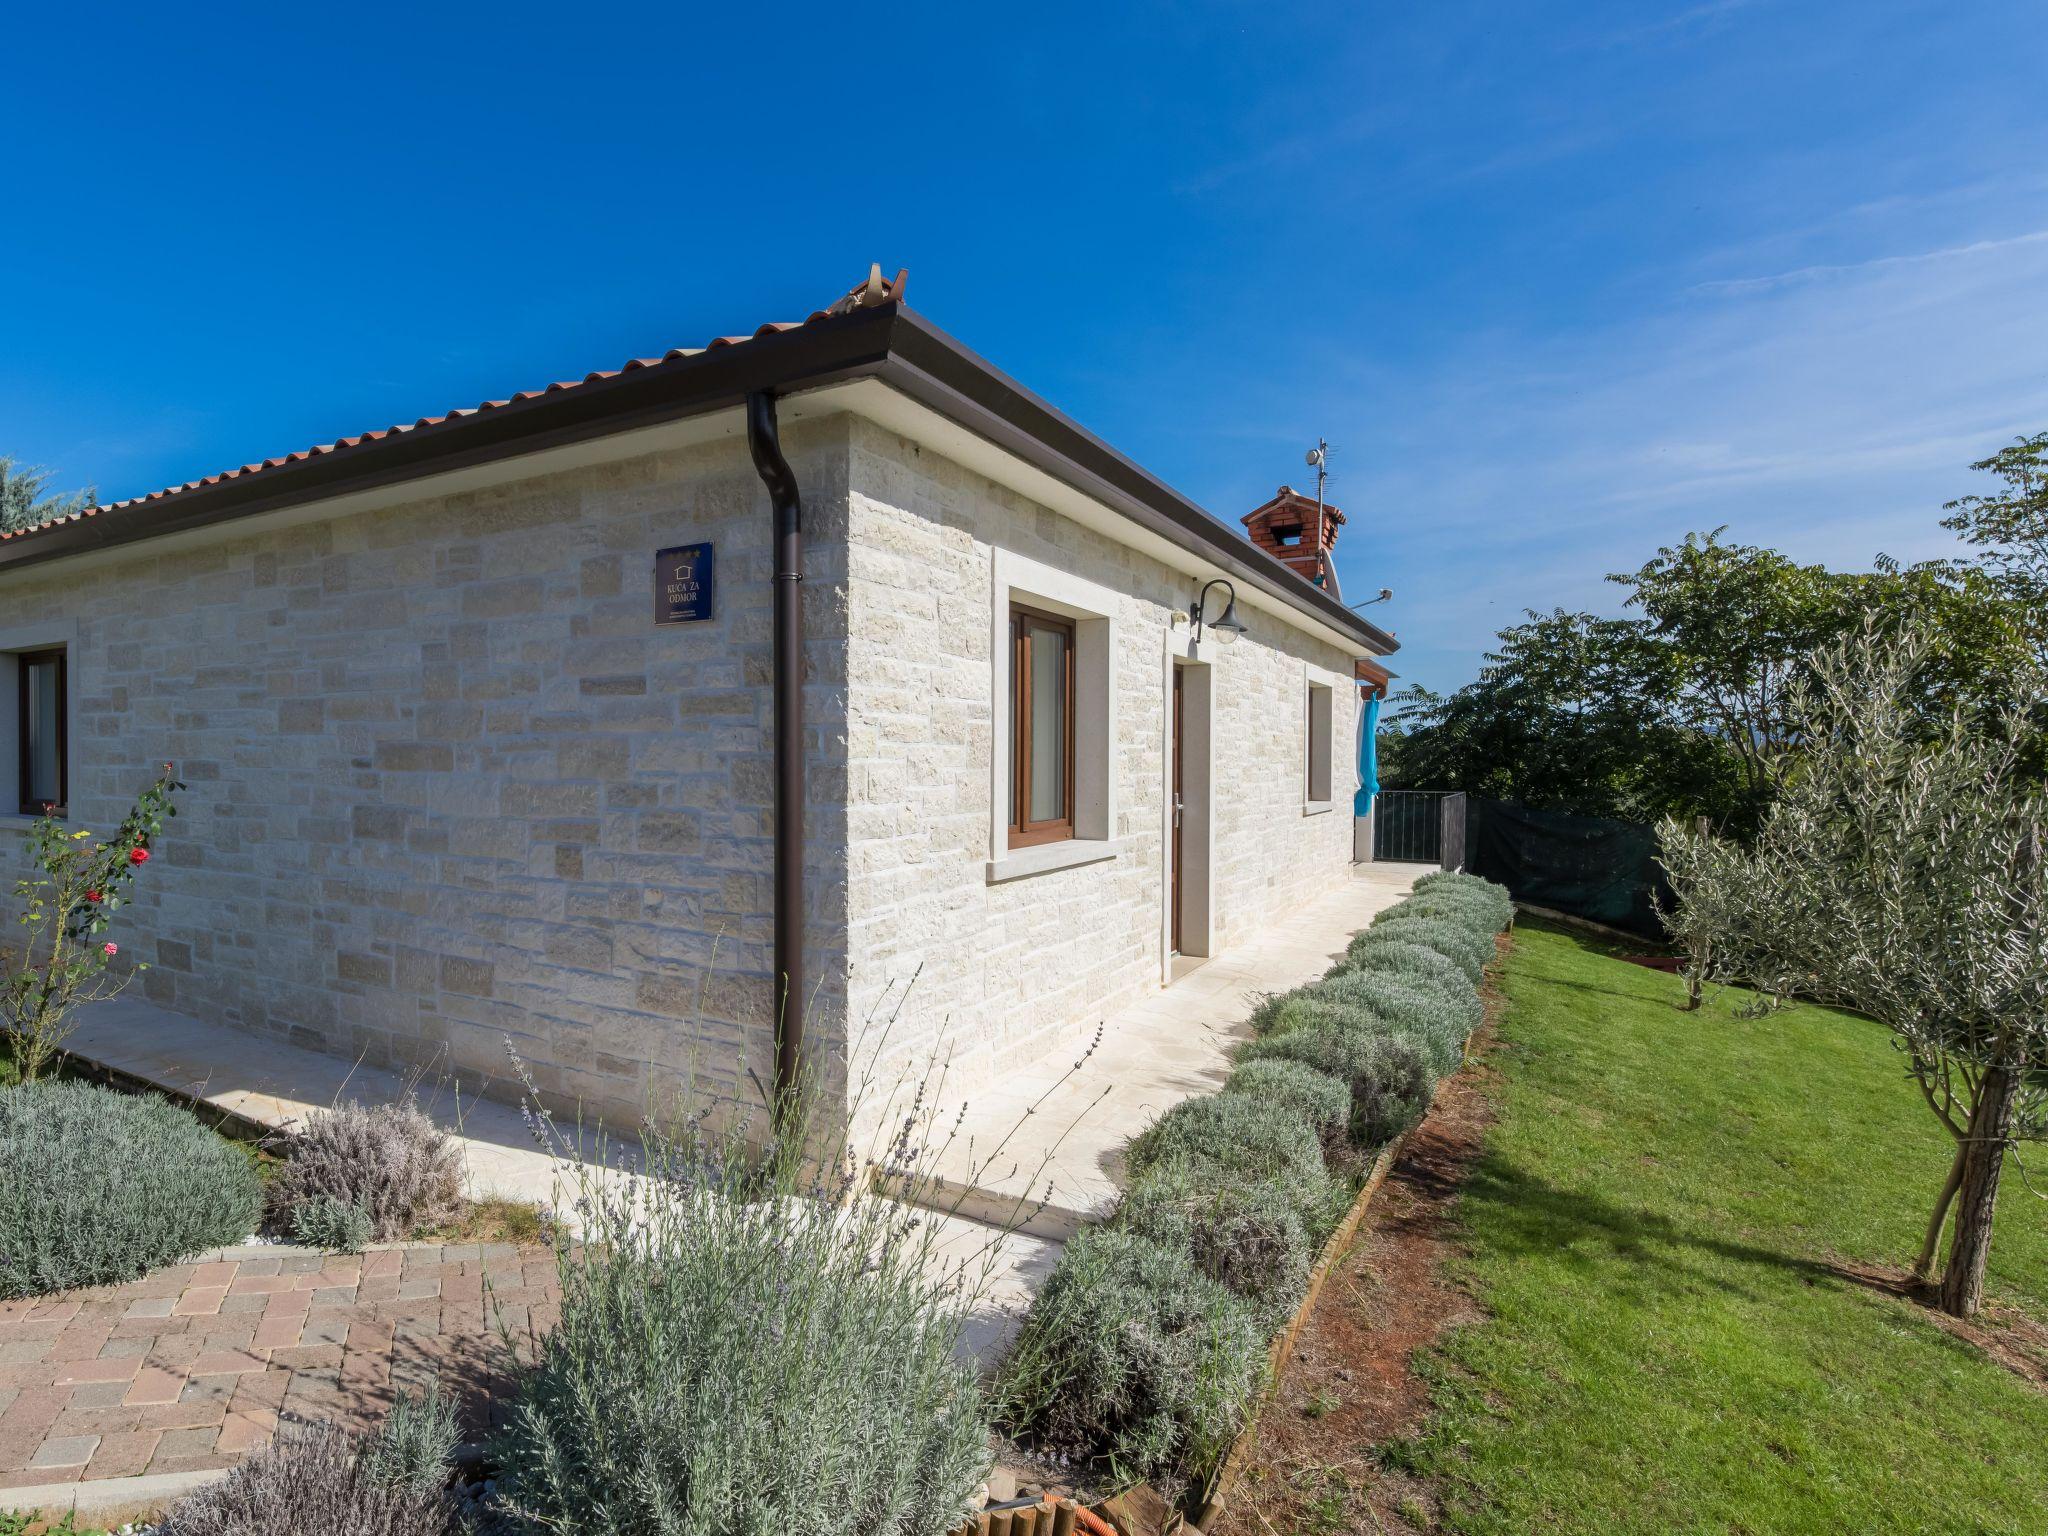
<point x="1589" y="866"/>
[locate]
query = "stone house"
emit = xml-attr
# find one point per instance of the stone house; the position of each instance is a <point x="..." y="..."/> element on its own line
<point x="480" y="717"/>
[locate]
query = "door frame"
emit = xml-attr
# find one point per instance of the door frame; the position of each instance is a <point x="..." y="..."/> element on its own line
<point x="1187" y="885"/>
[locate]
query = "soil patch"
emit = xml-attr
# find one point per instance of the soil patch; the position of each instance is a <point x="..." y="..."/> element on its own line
<point x="1314" y="1468"/>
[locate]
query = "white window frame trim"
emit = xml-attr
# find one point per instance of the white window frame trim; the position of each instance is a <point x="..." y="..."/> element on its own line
<point x="50" y="635"/>
<point x="1018" y="579"/>
<point x="1315" y="678"/>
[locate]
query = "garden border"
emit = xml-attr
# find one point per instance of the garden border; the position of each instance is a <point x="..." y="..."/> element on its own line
<point x="1335" y="1250"/>
<point x="1141" y="1510"/>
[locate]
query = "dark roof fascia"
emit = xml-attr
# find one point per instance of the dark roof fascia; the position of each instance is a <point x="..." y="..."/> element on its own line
<point x="883" y="341"/>
<point x="931" y="367"/>
<point x="828" y="350"/>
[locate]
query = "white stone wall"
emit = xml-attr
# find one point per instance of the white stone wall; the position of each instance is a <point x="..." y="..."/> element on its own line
<point x="450" y="784"/>
<point x="1006" y="971"/>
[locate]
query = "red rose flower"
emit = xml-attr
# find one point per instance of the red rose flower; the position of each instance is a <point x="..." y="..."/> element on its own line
<point x="138" y="855"/>
<point x="92" y="895"/>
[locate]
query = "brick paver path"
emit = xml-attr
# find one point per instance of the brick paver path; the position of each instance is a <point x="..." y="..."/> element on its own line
<point x="191" y="1368"/>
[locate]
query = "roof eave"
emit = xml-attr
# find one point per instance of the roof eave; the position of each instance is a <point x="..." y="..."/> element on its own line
<point x="824" y="351"/>
<point x="884" y="341"/>
<point x="933" y="368"/>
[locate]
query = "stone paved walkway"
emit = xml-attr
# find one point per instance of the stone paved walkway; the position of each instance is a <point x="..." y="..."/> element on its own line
<point x="192" y="1367"/>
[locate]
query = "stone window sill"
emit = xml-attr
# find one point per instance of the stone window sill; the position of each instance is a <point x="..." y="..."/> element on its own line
<point x="1317" y="807"/>
<point x="1068" y="853"/>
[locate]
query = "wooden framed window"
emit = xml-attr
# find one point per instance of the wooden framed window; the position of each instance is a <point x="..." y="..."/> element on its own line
<point x="1041" y="728"/>
<point x="41" y="731"/>
<point x="1316" y="785"/>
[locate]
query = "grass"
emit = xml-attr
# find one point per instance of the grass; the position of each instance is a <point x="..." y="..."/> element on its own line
<point x="492" y="1219"/>
<point x="1650" y="1229"/>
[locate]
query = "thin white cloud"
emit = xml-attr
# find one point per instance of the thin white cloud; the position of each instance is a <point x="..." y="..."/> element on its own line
<point x="1830" y="423"/>
<point x="1693" y="19"/>
<point x="1743" y="285"/>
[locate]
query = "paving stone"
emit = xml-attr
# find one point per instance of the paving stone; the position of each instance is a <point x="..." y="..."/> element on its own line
<point x="324" y="1330"/>
<point x="246" y="1430"/>
<point x="198" y="1441"/>
<point x="95" y="1370"/>
<point x="124" y="1455"/>
<point x="155" y="1384"/>
<point x="99" y="1394"/>
<point x="215" y="1390"/>
<point x="65" y="1451"/>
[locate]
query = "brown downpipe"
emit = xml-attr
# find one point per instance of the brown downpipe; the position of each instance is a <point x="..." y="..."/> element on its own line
<point x="765" y="441"/>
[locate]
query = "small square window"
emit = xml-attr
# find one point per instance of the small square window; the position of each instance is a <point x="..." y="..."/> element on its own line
<point x="41" y="732"/>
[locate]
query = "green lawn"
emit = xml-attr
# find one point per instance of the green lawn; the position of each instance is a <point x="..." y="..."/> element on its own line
<point x="1666" y="1351"/>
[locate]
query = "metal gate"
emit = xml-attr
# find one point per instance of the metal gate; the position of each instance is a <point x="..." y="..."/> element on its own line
<point x="1408" y="826"/>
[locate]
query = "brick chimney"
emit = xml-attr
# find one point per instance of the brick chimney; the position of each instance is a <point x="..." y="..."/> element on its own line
<point x="1288" y="529"/>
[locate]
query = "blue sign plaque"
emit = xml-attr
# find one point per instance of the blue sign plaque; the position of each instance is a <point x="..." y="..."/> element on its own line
<point x="684" y="584"/>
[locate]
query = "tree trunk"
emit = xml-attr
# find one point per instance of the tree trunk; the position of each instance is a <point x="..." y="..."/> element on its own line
<point x="1962" y="1285"/>
<point x="1923" y="1267"/>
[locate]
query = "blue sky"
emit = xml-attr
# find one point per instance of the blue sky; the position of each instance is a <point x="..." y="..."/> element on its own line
<point x="1559" y="281"/>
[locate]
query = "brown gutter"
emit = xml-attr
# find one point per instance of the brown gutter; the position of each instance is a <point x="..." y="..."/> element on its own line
<point x="764" y="441"/>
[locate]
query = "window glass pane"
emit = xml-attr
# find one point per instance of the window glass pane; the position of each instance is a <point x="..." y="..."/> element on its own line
<point x="45" y="780"/>
<point x="1048" y="724"/>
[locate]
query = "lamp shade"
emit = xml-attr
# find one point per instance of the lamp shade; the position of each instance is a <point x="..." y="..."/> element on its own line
<point x="1227" y="628"/>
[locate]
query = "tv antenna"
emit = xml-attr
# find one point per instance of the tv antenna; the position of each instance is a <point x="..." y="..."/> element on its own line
<point x="1319" y="461"/>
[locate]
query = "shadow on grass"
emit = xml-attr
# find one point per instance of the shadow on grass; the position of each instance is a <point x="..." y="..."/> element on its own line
<point x="1525" y="1215"/>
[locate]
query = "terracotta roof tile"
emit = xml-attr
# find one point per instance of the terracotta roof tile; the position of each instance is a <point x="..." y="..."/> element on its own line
<point x="875" y="290"/>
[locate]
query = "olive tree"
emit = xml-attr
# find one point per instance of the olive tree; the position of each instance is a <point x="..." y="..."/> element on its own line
<point x="1902" y="872"/>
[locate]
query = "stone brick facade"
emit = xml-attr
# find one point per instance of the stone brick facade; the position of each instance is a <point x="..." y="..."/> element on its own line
<point x="452" y="787"/>
<point x="998" y="971"/>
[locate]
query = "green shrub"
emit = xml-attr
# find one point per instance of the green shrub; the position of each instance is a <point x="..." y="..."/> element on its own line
<point x="389" y="1161"/>
<point x="1398" y="958"/>
<point x="1469" y="950"/>
<point x="1133" y="1358"/>
<point x="1471" y="889"/>
<point x="415" y="1445"/>
<point x="1319" y="1099"/>
<point x="314" y="1480"/>
<point x="325" y="1222"/>
<point x="1249" y="1237"/>
<point x="1389" y="1078"/>
<point x="98" y="1187"/>
<point x="741" y="1351"/>
<point x="1244" y="1140"/>
<point x="1296" y="1010"/>
<point x="1389" y="1002"/>
<point x="1391" y="1092"/>
<point x="1479" y="913"/>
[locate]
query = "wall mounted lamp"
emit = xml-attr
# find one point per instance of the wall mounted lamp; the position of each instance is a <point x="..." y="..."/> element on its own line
<point x="1225" y="626"/>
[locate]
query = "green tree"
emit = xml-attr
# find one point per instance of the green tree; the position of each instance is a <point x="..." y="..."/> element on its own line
<point x="23" y="502"/>
<point x="1902" y="872"/>
<point x="2011" y="526"/>
<point x="1567" y="714"/>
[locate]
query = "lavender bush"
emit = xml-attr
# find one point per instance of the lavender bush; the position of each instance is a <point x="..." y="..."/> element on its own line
<point x="318" y="1480"/>
<point x="389" y="1162"/>
<point x="98" y="1187"/>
